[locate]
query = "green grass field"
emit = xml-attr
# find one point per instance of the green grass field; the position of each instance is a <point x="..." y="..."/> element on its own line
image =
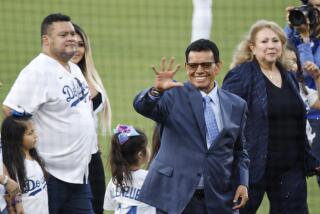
<point x="127" y="37"/>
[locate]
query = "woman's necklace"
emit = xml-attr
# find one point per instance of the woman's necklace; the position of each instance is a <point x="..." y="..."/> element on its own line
<point x="268" y="73"/>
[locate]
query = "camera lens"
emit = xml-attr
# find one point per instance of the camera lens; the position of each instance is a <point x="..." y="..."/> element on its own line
<point x="297" y="18"/>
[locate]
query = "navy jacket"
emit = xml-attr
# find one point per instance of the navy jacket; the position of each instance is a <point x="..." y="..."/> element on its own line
<point x="183" y="157"/>
<point x="247" y="81"/>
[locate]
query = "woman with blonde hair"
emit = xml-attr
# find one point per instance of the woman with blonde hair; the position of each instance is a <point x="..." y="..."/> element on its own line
<point x="83" y="58"/>
<point x="280" y="156"/>
<point x="244" y="53"/>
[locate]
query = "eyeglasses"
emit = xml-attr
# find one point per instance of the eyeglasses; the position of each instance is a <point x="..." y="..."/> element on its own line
<point x="204" y="65"/>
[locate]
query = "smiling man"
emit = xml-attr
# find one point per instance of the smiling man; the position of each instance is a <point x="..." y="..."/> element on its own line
<point x="202" y="166"/>
<point x="55" y="92"/>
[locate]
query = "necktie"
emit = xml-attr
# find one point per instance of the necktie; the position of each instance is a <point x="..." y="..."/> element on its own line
<point x="211" y="123"/>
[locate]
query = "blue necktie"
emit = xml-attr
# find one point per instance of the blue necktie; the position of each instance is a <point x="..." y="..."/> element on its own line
<point x="211" y="123"/>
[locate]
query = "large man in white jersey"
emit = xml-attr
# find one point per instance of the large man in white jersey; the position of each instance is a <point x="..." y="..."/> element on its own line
<point x="55" y="92"/>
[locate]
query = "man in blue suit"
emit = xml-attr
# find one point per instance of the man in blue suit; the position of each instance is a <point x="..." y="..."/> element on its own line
<point x="202" y="166"/>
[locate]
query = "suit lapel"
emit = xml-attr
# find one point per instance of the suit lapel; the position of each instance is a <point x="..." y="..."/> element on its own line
<point x="196" y="104"/>
<point x="226" y="109"/>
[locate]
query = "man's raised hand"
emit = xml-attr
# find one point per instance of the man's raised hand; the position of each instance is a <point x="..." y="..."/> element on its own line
<point x="164" y="76"/>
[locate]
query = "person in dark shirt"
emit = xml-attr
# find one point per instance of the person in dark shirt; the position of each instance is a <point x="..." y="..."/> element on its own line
<point x="278" y="149"/>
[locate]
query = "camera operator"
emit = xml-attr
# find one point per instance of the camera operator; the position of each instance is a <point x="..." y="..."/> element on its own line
<point x="303" y="32"/>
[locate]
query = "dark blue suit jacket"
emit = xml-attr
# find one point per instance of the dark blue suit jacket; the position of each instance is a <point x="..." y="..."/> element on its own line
<point x="247" y="81"/>
<point x="183" y="157"/>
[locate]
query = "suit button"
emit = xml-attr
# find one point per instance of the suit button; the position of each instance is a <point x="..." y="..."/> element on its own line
<point x="199" y="174"/>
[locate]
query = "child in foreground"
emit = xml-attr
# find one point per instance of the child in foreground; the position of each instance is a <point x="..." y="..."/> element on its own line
<point x="128" y="154"/>
<point x="23" y="163"/>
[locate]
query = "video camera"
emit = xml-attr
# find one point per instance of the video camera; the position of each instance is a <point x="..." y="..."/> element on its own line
<point x="305" y="14"/>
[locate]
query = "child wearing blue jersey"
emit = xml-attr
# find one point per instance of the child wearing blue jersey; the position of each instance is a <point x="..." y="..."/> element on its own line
<point x="23" y="163"/>
<point x="127" y="155"/>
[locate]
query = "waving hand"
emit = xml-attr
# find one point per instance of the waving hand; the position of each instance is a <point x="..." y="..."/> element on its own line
<point x="164" y="76"/>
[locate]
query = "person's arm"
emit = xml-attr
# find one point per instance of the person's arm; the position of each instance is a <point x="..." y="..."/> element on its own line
<point x="19" y="208"/>
<point x="29" y="91"/>
<point x="303" y="44"/>
<point x="314" y="71"/>
<point x="92" y="89"/>
<point x="316" y="77"/>
<point x="305" y="53"/>
<point x="312" y="98"/>
<point x="10" y="185"/>
<point x="13" y="198"/>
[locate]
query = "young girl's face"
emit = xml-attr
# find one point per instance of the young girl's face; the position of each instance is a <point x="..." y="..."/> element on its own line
<point x="29" y="137"/>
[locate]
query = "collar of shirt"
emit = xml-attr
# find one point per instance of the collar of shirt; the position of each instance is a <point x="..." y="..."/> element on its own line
<point x="213" y="93"/>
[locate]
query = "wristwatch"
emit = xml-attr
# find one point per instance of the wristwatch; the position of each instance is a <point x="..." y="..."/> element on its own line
<point x="154" y="92"/>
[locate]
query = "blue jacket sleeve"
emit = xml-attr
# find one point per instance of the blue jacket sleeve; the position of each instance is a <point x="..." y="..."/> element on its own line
<point x="156" y="109"/>
<point x="305" y="53"/>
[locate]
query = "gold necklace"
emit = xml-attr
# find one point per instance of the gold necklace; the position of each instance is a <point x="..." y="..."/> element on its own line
<point x="267" y="73"/>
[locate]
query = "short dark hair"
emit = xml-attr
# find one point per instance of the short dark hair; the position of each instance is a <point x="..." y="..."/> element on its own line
<point x="50" y="19"/>
<point x="304" y="1"/>
<point x="203" y="45"/>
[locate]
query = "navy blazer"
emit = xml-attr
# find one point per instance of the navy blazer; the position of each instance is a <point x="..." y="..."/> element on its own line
<point x="183" y="157"/>
<point x="247" y="81"/>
